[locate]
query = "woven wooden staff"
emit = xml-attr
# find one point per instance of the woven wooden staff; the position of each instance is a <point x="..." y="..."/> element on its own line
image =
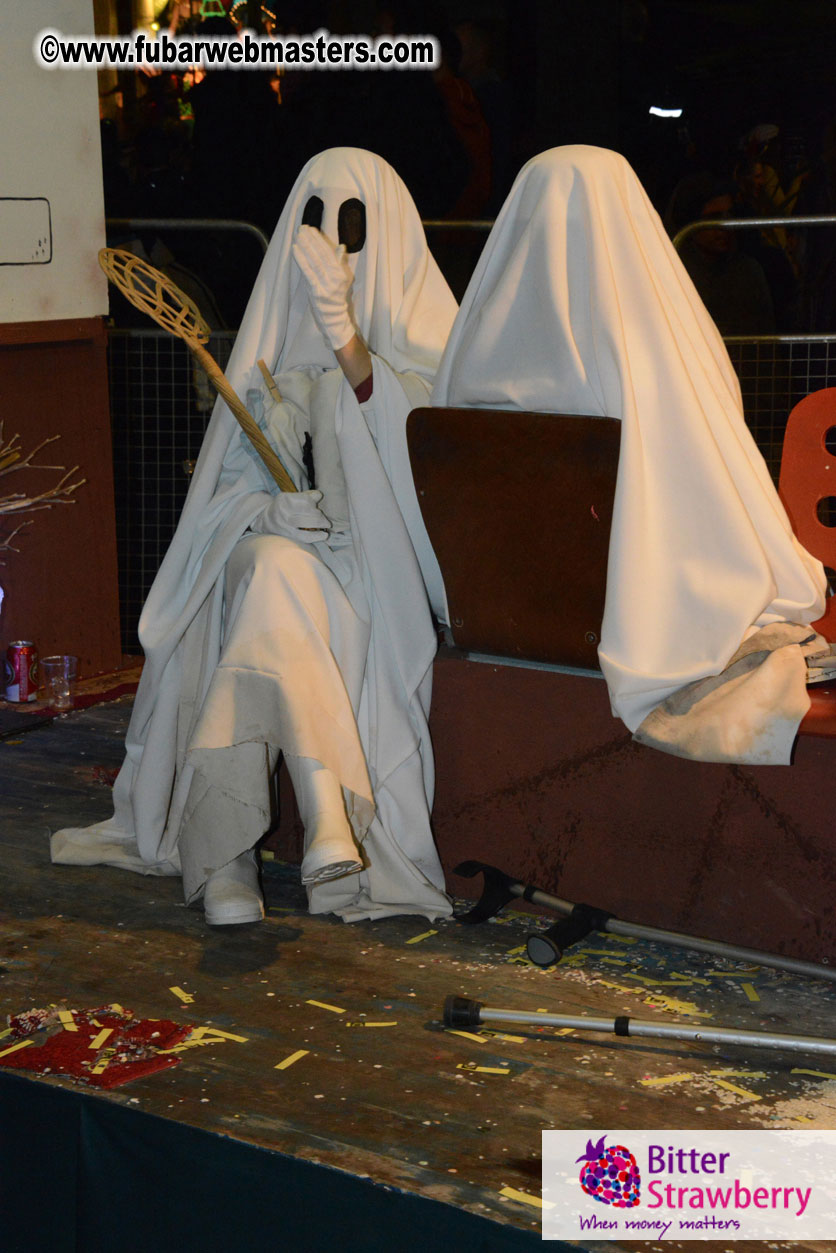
<point x="155" y="294"/>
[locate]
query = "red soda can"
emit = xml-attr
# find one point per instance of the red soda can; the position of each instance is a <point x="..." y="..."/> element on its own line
<point x="22" y="671"/>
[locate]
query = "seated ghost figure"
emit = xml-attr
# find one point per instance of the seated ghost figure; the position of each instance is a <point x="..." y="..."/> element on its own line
<point x="300" y="623"/>
<point x="579" y="304"/>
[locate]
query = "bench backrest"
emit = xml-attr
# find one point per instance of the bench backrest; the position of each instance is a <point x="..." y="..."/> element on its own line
<point x="518" y="508"/>
<point x="808" y="483"/>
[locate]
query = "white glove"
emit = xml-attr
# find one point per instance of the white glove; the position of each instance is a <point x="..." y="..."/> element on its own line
<point x="294" y="515"/>
<point x="329" y="278"/>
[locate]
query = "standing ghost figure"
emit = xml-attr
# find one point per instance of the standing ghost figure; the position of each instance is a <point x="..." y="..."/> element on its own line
<point x="579" y="304"/>
<point x="301" y="623"/>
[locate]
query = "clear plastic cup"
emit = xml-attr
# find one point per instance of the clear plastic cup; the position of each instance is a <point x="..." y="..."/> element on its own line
<point x="60" y="674"/>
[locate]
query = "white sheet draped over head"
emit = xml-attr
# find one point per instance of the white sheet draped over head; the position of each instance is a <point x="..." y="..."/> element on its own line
<point x="403" y="310"/>
<point x="399" y="298"/>
<point x="579" y="304"/>
<point x="402" y="306"/>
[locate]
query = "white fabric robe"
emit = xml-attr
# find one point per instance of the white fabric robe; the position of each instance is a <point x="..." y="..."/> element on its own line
<point x="364" y="719"/>
<point x="579" y="304"/>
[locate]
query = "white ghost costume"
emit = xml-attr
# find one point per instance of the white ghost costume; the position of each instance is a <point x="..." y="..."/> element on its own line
<point x="256" y="644"/>
<point x="579" y="304"/>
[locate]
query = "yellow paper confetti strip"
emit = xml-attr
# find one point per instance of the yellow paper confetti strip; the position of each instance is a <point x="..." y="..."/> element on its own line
<point x="102" y="1064"/>
<point x="3" y="1034"/>
<point x="334" y="1009"/>
<point x="599" y="952"/>
<point x="511" y="1194"/>
<point x="67" y="1020"/>
<point x="97" y="1041"/>
<point x="500" y="1035"/>
<point x="21" y="1044"/>
<point x="660" y="983"/>
<point x="468" y="1035"/>
<point x="675" y="1006"/>
<point x="658" y="1001"/>
<point x="214" y="1033"/>
<point x="732" y="1087"/>
<point x="796" y="1070"/>
<point x="363" y="1023"/>
<point x="188" y="1044"/>
<point x="661" y="1081"/>
<point x="185" y="997"/>
<point x="484" y="1070"/>
<point x="205" y="1035"/>
<point x="425" y="935"/>
<point x="748" y="988"/>
<point x="293" y="1057"/>
<point x="684" y="1076"/>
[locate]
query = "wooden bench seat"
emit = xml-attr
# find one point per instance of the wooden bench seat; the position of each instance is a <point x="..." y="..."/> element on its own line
<point x="518" y="507"/>
<point x="533" y="773"/>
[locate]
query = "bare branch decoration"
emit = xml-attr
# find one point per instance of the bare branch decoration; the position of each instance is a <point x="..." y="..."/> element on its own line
<point x="12" y="459"/>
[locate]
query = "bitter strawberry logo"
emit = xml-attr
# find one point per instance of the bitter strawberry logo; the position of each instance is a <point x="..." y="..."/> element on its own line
<point x="610" y="1174"/>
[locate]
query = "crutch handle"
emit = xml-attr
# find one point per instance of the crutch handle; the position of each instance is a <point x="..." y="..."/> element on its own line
<point x="460" y="1011"/>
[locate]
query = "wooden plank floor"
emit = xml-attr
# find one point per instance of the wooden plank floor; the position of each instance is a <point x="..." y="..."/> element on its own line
<point x="407" y="1103"/>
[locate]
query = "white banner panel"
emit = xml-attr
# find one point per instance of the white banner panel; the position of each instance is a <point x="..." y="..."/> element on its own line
<point x="689" y="1185"/>
<point x="51" y="203"/>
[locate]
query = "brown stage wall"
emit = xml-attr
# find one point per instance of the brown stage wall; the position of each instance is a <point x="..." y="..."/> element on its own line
<point x="61" y="587"/>
<point x="535" y="775"/>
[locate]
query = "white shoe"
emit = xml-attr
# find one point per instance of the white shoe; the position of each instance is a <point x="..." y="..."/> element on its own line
<point x="330" y="857"/>
<point x="232" y="894"/>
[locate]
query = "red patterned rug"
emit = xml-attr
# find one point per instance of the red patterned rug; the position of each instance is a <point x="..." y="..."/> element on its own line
<point x="103" y="1047"/>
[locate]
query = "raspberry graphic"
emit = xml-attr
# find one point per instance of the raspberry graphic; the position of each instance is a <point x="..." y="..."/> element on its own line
<point x="610" y="1174"/>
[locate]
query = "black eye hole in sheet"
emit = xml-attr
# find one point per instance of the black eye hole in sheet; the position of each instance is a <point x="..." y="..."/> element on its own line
<point x="312" y="215"/>
<point x="351" y="224"/>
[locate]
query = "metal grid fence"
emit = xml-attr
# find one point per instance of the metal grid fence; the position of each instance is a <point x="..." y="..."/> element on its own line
<point x="160" y="403"/>
<point x="775" y="373"/>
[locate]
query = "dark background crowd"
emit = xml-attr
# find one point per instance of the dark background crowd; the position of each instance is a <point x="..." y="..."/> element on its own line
<point x="725" y="108"/>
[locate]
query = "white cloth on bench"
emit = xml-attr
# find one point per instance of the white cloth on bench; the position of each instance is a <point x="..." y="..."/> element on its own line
<point x="579" y="304"/>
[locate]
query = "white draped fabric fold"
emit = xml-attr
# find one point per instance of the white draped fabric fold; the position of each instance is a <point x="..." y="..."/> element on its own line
<point x="579" y="304"/>
<point x="316" y="651"/>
